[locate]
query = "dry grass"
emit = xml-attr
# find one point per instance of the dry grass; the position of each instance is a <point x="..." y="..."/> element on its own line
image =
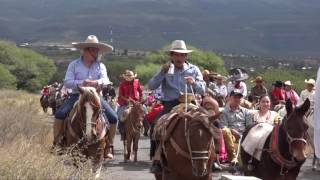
<point x="25" y="140"/>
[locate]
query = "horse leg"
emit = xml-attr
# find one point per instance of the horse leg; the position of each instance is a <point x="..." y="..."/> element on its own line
<point x="125" y="152"/>
<point x="135" y="147"/>
<point x="97" y="151"/>
<point x="129" y="147"/>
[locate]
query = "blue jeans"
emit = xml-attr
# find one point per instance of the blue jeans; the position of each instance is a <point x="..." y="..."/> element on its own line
<point x="66" y="107"/>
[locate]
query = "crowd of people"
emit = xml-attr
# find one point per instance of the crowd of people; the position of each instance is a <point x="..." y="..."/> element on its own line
<point x="178" y="76"/>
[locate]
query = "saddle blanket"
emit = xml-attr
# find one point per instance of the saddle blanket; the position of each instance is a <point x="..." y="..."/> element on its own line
<point x="256" y="138"/>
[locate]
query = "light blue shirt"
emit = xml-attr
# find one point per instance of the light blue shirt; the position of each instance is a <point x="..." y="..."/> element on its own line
<point x="173" y="85"/>
<point x="78" y="72"/>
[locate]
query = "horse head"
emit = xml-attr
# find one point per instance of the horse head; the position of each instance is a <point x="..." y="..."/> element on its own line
<point x="296" y="127"/>
<point x="137" y="113"/>
<point x="90" y="108"/>
<point x="200" y="134"/>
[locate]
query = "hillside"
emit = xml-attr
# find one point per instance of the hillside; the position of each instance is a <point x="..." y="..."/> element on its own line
<point x="260" y="27"/>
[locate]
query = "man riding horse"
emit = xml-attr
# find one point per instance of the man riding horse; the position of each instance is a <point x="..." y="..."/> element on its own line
<point x="84" y="71"/>
<point x="129" y="92"/>
<point x="173" y="78"/>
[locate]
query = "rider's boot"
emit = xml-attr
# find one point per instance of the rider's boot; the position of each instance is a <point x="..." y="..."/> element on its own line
<point x="58" y="134"/>
<point x="156" y="166"/>
<point x="109" y="148"/>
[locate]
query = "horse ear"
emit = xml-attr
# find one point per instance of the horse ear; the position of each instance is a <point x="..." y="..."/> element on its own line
<point x="289" y="107"/>
<point x="304" y="107"/>
<point x="81" y="89"/>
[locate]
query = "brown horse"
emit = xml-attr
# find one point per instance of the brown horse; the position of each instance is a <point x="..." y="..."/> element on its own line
<point x="132" y="126"/>
<point x="44" y="101"/>
<point x="86" y="127"/>
<point x="284" y="150"/>
<point x="187" y="144"/>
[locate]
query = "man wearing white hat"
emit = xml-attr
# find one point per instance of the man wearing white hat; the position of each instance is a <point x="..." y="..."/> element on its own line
<point x="290" y="93"/>
<point x="173" y="78"/>
<point x="85" y="71"/>
<point x="308" y="92"/>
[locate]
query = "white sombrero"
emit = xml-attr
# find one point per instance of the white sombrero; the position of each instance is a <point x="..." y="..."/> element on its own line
<point x="92" y="41"/>
<point x="310" y="81"/>
<point x="179" y="46"/>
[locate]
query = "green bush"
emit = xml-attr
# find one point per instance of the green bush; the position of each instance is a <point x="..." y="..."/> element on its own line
<point x="7" y="80"/>
<point x="30" y="69"/>
<point x="146" y="71"/>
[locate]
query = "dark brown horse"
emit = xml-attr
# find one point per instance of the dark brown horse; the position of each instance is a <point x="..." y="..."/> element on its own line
<point x="132" y="127"/>
<point x="44" y="101"/>
<point x="284" y="150"/>
<point x="187" y="144"/>
<point x="86" y="127"/>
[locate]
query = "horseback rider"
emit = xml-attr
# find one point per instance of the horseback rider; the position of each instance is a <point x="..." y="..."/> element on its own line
<point x="129" y="91"/>
<point x="173" y="77"/>
<point x="258" y="90"/>
<point x="85" y="71"/>
<point x="234" y="120"/>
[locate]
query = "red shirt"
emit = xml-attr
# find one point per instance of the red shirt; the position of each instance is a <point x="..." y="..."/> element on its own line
<point x="278" y="94"/>
<point x="129" y="89"/>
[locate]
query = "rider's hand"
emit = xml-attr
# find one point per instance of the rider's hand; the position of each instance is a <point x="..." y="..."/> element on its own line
<point x="165" y="68"/>
<point x="92" y="83"/>
<point x="236" y="134"/>
<point x="190" y="80"/>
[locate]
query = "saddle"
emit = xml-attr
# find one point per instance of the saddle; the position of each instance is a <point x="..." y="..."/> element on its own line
<point x="256" y="138"/>
<point x="124" y="115"/>
<point x="167" y="122"/>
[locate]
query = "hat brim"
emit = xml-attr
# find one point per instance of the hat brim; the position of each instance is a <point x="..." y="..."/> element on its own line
<point x="239" y="79"/>
<point x="237" y="94"/>
<point x="221" y="77"/>
<point x="181" y="51"/>
<point x="104" y="48"/>
<point x="126" y="77"/>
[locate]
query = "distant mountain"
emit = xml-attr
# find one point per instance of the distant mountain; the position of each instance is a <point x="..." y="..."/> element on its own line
<point x="258" y="27"/>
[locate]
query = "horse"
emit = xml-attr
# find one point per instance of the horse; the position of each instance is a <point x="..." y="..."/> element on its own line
<point x="132" y="127"/>
<point x="55" y="99"/>
<point x="284" y="150"/>
<point x="44" y="102"/>
<point x="187" y="144"/>
<point x="86" y="127"/>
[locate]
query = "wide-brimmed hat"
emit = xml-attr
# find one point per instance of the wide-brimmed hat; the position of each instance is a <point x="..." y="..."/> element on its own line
<point x="310" y="81"/>
<point x="258" y="79"/>
<point x="288" y="83"/>
<point x="219" y="76"/>
<point x="92" y="41"/>
<point x="129" y="75"/>
<point x="205" y="72"/>
<point x="179" y="46"/>
<point x="238" y="74"/>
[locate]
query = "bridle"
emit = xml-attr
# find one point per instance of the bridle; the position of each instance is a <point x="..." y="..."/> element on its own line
<point x="293" y="139"/>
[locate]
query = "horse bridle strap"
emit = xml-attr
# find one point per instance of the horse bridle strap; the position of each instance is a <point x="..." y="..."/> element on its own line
<point x="275" y="153"/>
<point x="178" y="149"/>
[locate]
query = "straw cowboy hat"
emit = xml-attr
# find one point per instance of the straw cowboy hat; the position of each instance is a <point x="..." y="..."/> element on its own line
<point x="92" y="41"/>
<point x="258" y="79"/>
<point x="129" y="75"/>
<point x="288" y="83"/>
<point x="179" y="46"/>
<point x="219" y="76"/>
<point x="310" y="81"/>
<point x="238" y="74"/>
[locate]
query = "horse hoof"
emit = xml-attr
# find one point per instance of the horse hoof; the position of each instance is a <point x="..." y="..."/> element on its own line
<point x="314" y="168"/>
